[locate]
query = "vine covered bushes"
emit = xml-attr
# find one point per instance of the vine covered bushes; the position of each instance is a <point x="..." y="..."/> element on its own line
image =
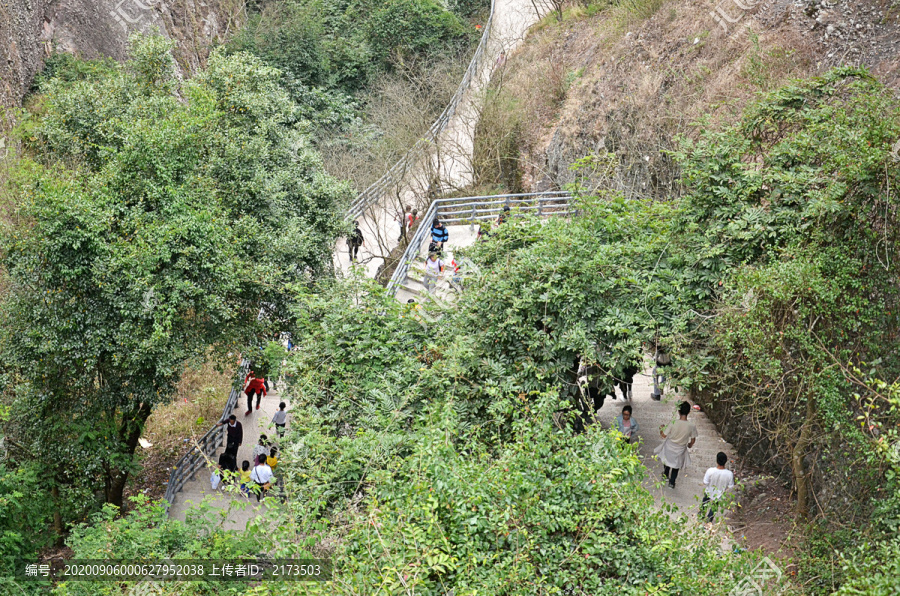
<point x="155" y="215"/>
<point x="794" y="210"/>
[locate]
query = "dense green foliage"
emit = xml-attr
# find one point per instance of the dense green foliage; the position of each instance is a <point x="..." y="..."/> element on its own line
<point x="26" y="522"/>
<point x="390" y="474"/>
<point x="341" y="46"/>
<point x="792" y="209"/>
<point x="432" y="452"/>
<point x="146" y="534"/>
<point x="156" y="217"/>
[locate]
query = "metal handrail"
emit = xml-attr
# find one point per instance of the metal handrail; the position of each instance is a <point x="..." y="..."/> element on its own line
<point x="440" y="208"/>
<point x="196" y="458"/>
<point x="394" y="175"/>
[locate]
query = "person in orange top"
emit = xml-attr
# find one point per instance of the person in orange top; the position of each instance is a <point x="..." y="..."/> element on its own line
<point x="256" y="386"/>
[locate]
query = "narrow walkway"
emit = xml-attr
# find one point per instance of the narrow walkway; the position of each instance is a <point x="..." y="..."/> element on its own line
<point x="240" y="509"/>
<point x="452" y="161"/>
<point x="650" y="415"/>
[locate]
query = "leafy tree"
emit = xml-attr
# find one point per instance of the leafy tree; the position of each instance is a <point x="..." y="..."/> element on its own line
<point x="599" y="288"/>
<point x="160" y="217"/>
<point x="792" y="212"/>
<point x="342" y="45"/>
<point x="412" y="26"/>
<point x="294" y="46"/>
<point x="355" y="347"/>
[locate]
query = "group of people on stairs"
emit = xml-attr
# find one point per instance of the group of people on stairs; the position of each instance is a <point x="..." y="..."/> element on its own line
<point x="679" y="437"/>
<point x="259" y="478"/>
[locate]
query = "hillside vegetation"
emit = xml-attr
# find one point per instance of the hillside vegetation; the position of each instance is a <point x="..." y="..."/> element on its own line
<point x="428" y="455"/>
<point x="438" y="451"/>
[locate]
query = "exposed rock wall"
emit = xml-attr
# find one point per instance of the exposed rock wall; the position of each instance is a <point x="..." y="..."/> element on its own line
<point x="614" y="85"/>
<point x="30" y="30"/>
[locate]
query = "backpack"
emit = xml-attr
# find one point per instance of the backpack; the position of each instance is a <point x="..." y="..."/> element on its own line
<point x="357" y="237"/>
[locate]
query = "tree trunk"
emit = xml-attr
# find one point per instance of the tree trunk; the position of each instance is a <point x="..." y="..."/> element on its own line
<point x="129" y="433"/>
<point x="57" y="516"/>
<point x="798" y="466"/>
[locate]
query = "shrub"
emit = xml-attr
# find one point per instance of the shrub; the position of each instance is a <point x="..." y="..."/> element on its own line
<point x="412" y="27"/>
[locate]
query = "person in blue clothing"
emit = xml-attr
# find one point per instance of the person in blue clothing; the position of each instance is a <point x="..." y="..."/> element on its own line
<point x="439" y="235"/>
<point x="627" y="425"/>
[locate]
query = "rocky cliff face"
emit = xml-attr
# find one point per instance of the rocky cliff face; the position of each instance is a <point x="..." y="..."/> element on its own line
<point x="31" y="30"/>
<point x="614" y="85"/>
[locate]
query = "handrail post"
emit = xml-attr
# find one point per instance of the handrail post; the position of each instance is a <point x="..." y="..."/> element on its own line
<point x="401" y="273"/>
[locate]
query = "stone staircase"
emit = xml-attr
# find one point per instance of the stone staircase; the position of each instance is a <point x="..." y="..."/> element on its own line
<point x="650" y="415"/>
<point x="414" y="288"/>
<point x="237" y="510"/>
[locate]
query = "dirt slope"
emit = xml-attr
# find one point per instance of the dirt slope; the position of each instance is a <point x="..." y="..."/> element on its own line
<point x="614" y="83"/>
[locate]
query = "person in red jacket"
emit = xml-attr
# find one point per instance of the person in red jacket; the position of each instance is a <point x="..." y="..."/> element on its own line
<point x="256" y="386"/>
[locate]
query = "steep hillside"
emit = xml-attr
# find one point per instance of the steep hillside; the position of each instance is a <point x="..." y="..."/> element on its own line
<point x="614" y="83"/>
<point x="30" y="30"/>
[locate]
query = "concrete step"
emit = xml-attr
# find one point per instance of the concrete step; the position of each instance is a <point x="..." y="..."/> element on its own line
<point x="403" y="296"/>
<point x="414" y="286"/>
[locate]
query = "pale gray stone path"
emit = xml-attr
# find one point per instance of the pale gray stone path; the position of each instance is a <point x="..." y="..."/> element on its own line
<point x="240" y="509"/>
<point x="451" y="160"/>
<point x="414" y="288"/>
<point x="650" y="415"/>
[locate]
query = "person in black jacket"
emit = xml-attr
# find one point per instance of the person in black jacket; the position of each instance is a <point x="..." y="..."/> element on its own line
<point x="355" y="241"/>
<point x="235" y="434"/>
<point x="626" y="381"/>
<point x="228" y="463"/>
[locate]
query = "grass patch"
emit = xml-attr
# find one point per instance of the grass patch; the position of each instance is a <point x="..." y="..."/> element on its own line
<point x="195" y="407"/>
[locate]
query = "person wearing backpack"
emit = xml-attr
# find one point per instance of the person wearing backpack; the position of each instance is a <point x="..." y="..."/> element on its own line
<point x="261" y="476"/>
<point x="355" y="240"/>
<point x="501" y="219"/>
<point x="439" y="236"/>
<point x="433" y="269"/>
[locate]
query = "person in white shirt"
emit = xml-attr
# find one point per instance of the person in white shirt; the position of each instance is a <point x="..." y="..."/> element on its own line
<point x="262" y="448"/>
<point x="717" y="481"/>
<point x="679" y="438"/>
<point x="260" y="476"/>
<point x="433" y="269"/>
